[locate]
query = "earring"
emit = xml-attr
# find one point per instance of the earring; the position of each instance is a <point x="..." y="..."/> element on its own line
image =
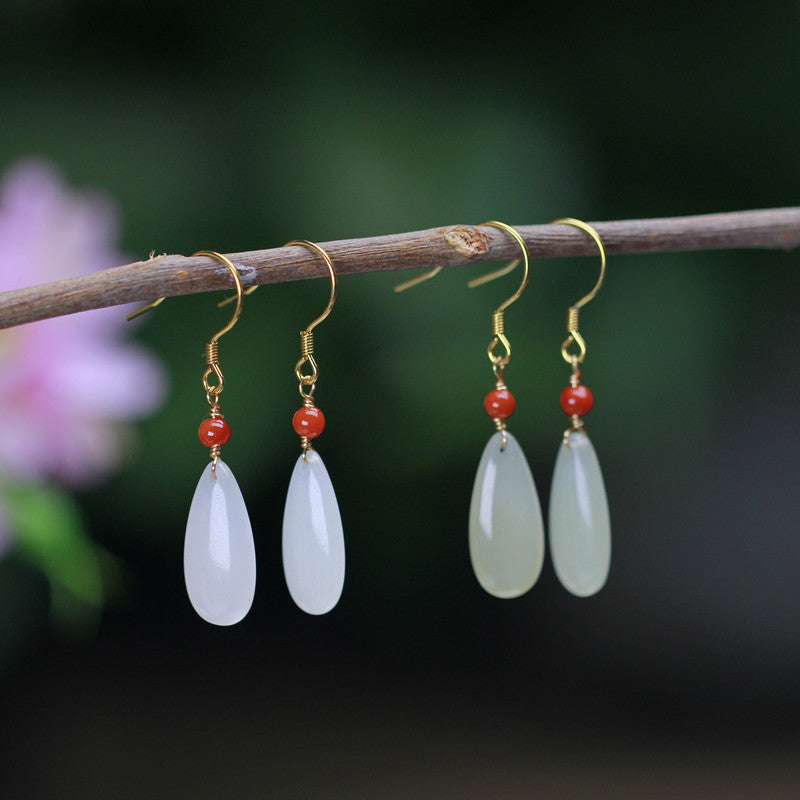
<point x="506" y="530"/>
<point x="580" y="530"/>
<point x="313" y="539"/>
<point x="219" y="558"/>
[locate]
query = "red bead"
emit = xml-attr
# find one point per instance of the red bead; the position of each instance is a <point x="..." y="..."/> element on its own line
<point x="577" y="400"/>
<point x="214" y="430"/>
<point x="499" y="404"/>
<point x="308" y="421"/>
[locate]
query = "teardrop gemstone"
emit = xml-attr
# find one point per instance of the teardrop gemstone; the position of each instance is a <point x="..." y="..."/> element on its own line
<point x="506" y="530"/>
<point x="313" y="539"/>
<point x="219" y="557"/>
<point x="580" y="529"/>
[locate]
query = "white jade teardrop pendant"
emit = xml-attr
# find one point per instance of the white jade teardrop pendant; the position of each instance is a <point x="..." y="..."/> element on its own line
<point x="313" y="538"/>
<point x="506" y="530"/>
<point x="219" y="559"/>
<point x="580" y="528"/>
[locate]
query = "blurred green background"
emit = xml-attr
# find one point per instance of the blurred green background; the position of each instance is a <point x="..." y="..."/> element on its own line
<point x="241" y="126"/>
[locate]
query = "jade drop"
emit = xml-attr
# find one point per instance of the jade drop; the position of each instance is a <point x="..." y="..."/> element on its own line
<point x="506" y="530"/>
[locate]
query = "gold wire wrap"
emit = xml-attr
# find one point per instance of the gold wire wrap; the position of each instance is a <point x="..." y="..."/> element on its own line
<point x="575" y="337"/>
<point x="577" y="424"/>
<point x="212" y="359"/>
<point x="498" y="323"/>
<point x="215" y="451"/>
<point x="575" y="378"/>
<point x="500" y="424"/>
<point x="499" y="362"/>
<point x="212" y="353"/>
<point x="308" y="381"/>
<point x="573" y="312"/>
<point x="212" y="401"/>
<point x="577" y="421"/>
<point x="306" y="357"/>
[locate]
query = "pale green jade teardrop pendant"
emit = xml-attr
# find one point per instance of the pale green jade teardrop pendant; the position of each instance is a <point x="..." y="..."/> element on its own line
<point x="219" y="557"/>
<point x="313" y="539"/>
<point x="580" y="529"/>
<point x="506" y="530"/>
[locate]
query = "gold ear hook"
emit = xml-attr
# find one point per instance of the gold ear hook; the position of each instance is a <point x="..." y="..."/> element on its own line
<point x="237" y="312"/>
<point x="573" y="310"/>
<point x="237" y="297"/>
<point x="307" y="381"/>
<point x="508" y="268"/>
<point x="334" y="281"/>
<point x="213" y="390"/>
<point x="499" y="362"/>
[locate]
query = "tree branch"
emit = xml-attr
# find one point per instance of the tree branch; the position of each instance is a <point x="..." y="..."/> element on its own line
<point x="171" y="275"/>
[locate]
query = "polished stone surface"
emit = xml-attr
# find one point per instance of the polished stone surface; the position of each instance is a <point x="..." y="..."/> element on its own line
<point x="580" y="529"/>
<point x="506" y="530"/>
<point x="313" y="539"/>
<point x="219" y="557"/>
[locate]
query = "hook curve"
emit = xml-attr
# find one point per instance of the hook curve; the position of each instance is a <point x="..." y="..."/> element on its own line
<point x="572" y="311"/>
<point x="499" y="362"/>
<point x="240" y="292"/>
<point x="490" y="276"/>
<point x="237" y="311"/>
<point x="308" y="380"/>
<point x="334" y="280"/>
<point x="214" y="390"/>
<point x="586" y="228"/>
<point x="479" y="281"/>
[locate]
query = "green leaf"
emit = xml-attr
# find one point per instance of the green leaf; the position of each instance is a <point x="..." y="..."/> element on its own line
<point x="50" y="532"/>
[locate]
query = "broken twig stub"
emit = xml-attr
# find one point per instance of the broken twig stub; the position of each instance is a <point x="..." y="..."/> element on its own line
<point x="467" y="240"/>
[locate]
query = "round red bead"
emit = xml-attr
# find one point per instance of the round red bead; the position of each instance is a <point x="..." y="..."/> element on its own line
<point x="308" y="421"/>
<point x="577" y="400"/>
<point x="499" y="404"/>
<point x="214" y="430"/>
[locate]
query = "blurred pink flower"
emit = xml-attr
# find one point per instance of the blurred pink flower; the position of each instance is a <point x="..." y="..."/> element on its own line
<point x="71" y="383"/>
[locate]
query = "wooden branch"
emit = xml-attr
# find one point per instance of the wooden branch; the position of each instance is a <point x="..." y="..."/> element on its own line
<point x="171" y="275"/>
